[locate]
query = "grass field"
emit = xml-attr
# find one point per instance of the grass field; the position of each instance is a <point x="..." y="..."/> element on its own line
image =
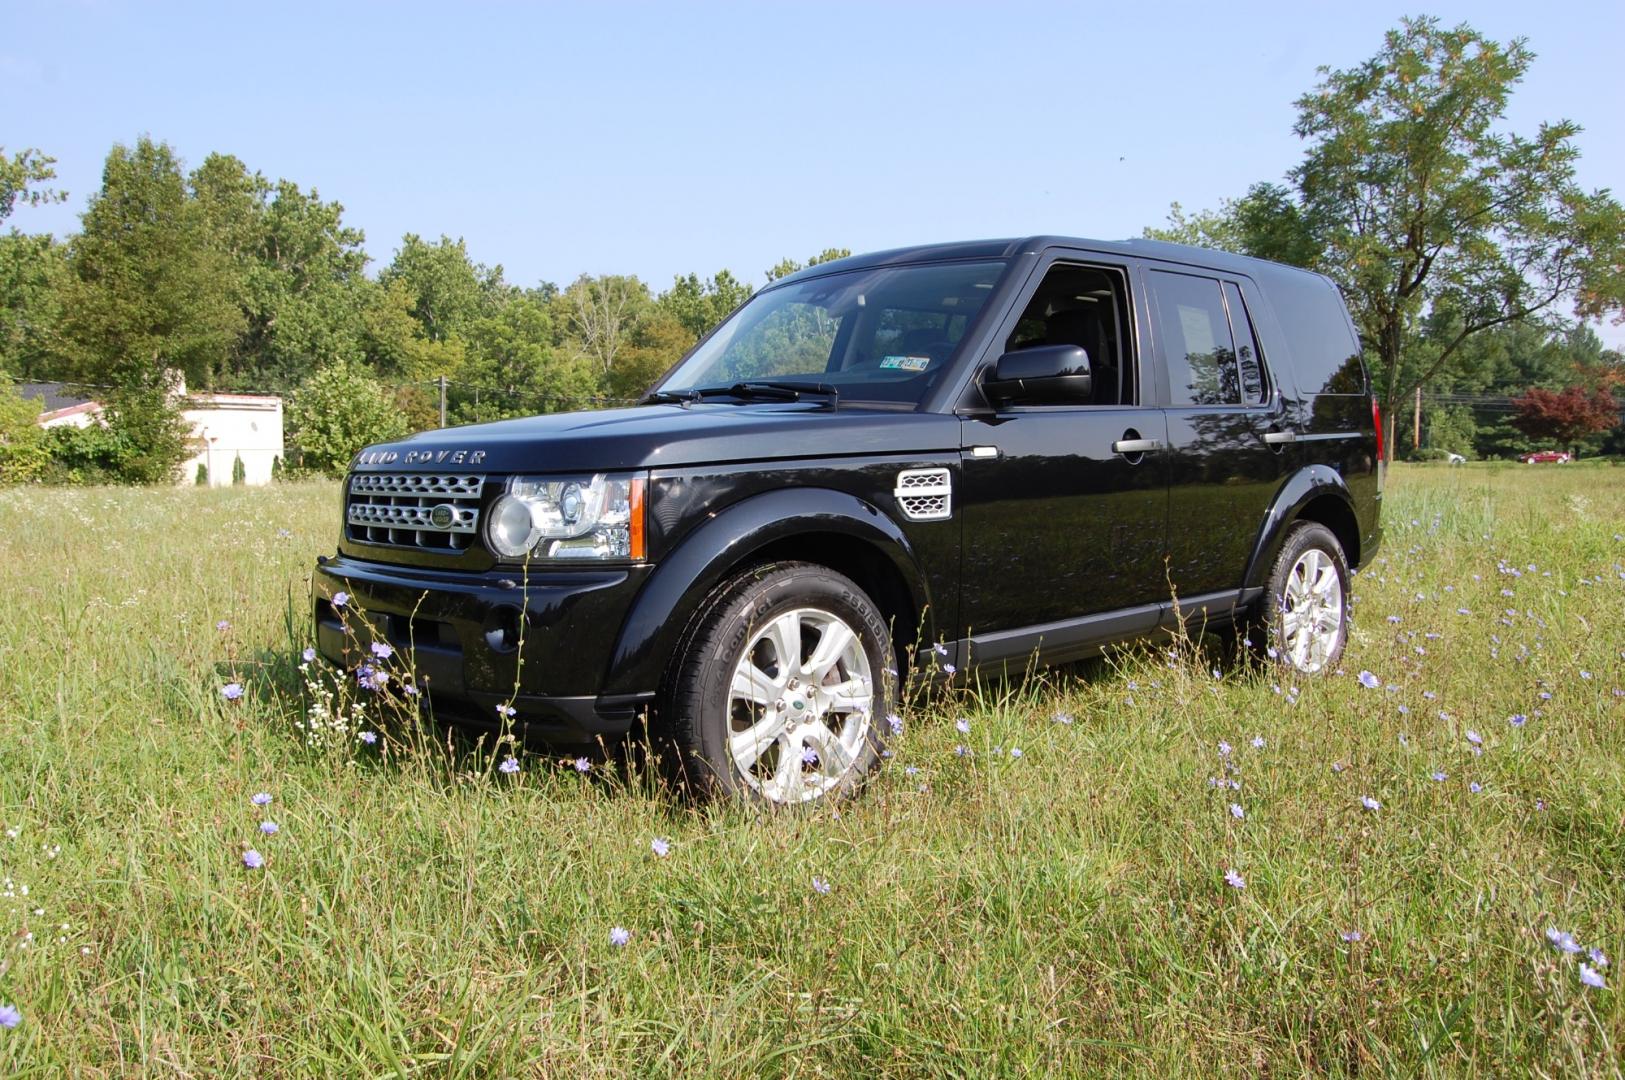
<point x="1064" y="911"/>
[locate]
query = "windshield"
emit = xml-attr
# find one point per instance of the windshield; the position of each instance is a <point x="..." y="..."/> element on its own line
<point x="885" y="334"/>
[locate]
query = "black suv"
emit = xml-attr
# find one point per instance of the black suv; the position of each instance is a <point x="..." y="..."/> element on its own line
<point x="923" y="461"/>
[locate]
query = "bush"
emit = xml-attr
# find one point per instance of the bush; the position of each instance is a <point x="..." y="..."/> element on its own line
<point x="336" y="412"/>
<point x="1429" y="453"/>
<point x="149" y="435"/>
<point x="239" y="474"/>
<point x="24" y="455"/>
<point x="201" y="478"/>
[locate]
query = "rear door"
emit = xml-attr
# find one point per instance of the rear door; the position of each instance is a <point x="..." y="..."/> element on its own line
<point x="1058" y="521"/>
<point x="1223" y="472"/>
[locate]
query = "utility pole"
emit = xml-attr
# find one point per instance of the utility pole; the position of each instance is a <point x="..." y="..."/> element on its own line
<point x="442" y="382"/>
<point x="1416" y="438"/>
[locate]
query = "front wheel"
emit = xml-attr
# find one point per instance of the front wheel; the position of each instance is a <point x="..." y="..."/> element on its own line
<point x="1306" y="614"/>
<point x="778" y="687"/>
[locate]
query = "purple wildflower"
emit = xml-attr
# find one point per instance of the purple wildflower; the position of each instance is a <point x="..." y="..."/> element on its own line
<point x="1062" y="718"/>
<point x="10" y="1016"/>
<point x="1562" y="940"/>
<point x="222" y="626"/>
<point x="308" y="655"/>
<point x="270" y="828"/>
<point x="1517" y="719"/>
<point x="820" y="886"/>
<point x="1475" y="787"/>
<point x="619" y="936"/>
<point x="1351" y="936"/>
<point x="1598" y="957"/>
<point x="962" y="726"/>
<point x="506" y="711"/>
<point x="382" y="650"/>
<point x="962" y="750"/>
<point x="660" y="846"/>
<point x="253" y="859"/>
<point x="1234" y="880"/>
<point x="1369" y="681"/>
<point x="1591" y="977"/>
<point x="340" y="599"/>
<point x="1369" y="803"/>
<point x="582" y="765"/>
<point x="1438" y="775"/>
<point x="949" y="669"/>
<point x="231" y="691"/>
<point x="1237" y="812"/>
<point x="894" y="723"/>
<point x="1474" y="737"/>
<point x="510" y="765"/>
<point x="809" y="756"/>
<point x="368" y="737"/>
<point x="1224" y="748"/>
<point x="1258" y="742"/>
<point x="263" y="798"/>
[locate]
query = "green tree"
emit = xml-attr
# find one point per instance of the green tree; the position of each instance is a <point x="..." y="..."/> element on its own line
<point x="1424" y="210"/>
<point x="33" y="271"/>
<point x="20" y="178"/>
<point x="148" y="437"/>
<point x="599" y="316"/>
<point x="448" y="290"/>
<point x="786" y="267"/>
<point x="148" y="289"/>
<point x="700" y="305"/>
<point x="336" y="412"/>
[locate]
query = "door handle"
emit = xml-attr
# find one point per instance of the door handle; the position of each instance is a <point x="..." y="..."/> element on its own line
<point x="1276" y="438"/>
<point x="1136" y="446"/>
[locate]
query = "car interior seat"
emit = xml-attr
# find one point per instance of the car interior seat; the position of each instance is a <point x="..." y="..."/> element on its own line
<point x="1084" y="326"/>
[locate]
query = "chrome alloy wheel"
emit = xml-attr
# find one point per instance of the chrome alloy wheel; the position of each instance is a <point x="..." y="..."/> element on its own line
<point x="1312" y="611"/>
<point x="800" y="705"/>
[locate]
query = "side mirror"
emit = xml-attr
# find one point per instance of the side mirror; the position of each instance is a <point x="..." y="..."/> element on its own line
<point x="1041" y="375"/>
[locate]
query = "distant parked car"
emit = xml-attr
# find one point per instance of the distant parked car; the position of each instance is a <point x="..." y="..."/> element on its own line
<point x="1560" y="456"/>
<point x="1455" y="459"/>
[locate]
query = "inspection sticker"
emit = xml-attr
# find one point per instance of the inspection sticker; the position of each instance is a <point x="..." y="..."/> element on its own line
<point x="906" y="363"/>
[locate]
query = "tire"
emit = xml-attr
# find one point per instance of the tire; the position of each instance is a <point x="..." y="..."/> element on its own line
<point x="743" y="723"/>
<point x="1304" y="614"/>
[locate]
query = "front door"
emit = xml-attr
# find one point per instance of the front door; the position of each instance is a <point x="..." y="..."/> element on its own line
<point x="1064" y="507"/>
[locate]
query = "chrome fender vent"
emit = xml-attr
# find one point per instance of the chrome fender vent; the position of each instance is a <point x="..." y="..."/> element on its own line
<point x="925" y="494"/>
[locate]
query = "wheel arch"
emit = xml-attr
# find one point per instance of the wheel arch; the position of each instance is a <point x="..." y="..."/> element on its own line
<point x="1318" y="494"/>
<point x="816" y="525"/>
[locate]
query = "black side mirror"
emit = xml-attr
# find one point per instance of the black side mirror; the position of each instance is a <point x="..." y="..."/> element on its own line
<point x="1041" y="375"/>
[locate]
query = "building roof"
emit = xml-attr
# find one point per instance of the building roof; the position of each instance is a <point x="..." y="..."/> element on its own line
<point x="53" y="396"/>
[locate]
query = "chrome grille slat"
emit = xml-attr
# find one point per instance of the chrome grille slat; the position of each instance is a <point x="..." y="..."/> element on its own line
<point x="396" y="509"/>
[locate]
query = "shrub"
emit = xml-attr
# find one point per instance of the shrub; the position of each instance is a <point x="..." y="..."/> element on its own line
<point x="202" y="477"/>
<point x="23" y="452"/>
<point x="239" y="474"/>
<point x="336" y="412"/>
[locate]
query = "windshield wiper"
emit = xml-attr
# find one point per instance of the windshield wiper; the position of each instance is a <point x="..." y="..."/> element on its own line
<point x="665" y="397"/>
<point x="774" y="390"/>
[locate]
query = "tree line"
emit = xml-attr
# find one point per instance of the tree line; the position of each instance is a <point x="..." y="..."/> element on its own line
<point x="231" y="281"/>
<point x="1468" y="255"/>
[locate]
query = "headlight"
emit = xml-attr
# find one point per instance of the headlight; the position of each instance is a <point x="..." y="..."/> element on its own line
<point x="571" y="517"/>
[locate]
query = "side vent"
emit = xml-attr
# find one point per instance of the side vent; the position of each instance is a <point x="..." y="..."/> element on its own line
<point x="925" y="494"/>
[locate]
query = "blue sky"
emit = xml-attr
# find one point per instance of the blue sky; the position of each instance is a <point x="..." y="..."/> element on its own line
<point x="660" y="138"/>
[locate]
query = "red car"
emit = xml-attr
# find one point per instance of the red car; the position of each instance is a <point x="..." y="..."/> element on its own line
<point x="1560" y="456"/>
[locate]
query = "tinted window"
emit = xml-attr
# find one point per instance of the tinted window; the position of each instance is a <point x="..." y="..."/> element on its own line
<point x="1084" y="306"/>
<point x="1196" y="341"/>
<point x="1322" y="348"/>
<point x="1248" y="356"/>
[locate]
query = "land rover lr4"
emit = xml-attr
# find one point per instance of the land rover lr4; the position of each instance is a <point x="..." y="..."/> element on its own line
<point x="921" y="461"/>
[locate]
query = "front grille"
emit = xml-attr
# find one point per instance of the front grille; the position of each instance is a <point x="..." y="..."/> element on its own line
<point x="416" y="510"/>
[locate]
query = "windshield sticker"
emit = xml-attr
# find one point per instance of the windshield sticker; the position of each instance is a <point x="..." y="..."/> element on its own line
<point x="906" y="363"/>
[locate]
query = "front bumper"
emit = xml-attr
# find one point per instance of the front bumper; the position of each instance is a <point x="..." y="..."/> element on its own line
<point x="539" y="642"/>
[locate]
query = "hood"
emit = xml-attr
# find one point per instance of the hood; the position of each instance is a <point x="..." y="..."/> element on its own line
<point x="663" y="436"/>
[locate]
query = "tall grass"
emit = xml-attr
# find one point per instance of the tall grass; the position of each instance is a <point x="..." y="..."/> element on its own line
<point x="1060" y="911"/>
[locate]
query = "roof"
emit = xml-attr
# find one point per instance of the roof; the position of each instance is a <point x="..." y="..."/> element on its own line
<point x="53" y="396"/>
<point x="1004" y="249"/>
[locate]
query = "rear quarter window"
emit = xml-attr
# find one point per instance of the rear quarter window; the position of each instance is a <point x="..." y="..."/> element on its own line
<point x="1324" y="352"/>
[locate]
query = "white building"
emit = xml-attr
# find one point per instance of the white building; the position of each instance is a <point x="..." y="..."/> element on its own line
<point x="226" y="428"/>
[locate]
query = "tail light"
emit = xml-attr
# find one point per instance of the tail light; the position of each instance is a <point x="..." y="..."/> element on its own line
<point x="1376" y="418"/>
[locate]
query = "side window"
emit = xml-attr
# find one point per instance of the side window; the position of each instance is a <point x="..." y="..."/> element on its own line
<point x="1085" y="306"/>
<point x="1249" y="358"/>
<point x="1196" y="341"/>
